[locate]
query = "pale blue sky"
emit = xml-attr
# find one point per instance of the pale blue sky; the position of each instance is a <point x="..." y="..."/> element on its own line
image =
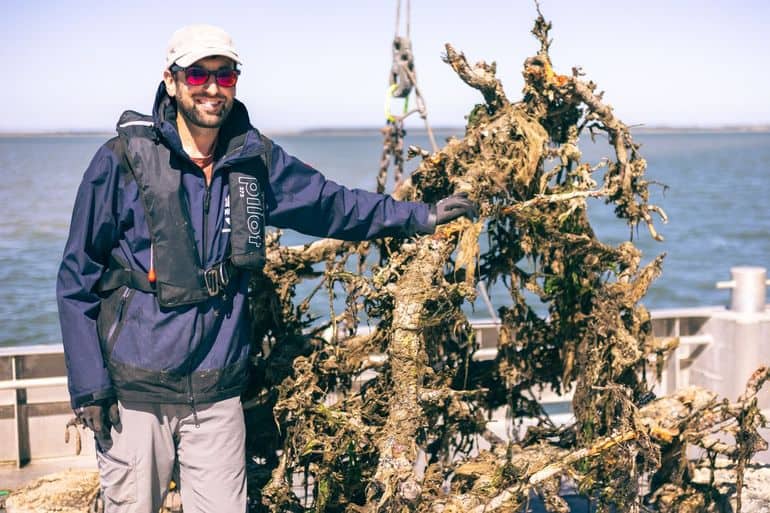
<point x="78" y="64"/>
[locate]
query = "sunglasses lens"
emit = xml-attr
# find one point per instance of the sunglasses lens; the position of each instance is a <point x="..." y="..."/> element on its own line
<point x="196" y="76"/>
<point x="227" y="77"/>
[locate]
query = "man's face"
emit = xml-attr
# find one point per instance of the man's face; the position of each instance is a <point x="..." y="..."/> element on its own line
<point x="207" y="105"/>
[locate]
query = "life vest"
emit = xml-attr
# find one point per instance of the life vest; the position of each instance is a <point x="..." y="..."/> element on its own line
<point x="179" y="276"/>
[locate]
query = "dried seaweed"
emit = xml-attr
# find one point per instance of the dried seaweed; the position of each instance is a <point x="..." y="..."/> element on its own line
<point x="394" y="419"/>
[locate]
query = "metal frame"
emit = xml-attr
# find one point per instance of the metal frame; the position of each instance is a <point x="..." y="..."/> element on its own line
<point x="20" y="386"/>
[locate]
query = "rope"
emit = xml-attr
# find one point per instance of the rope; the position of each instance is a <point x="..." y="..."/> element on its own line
<point x="403" y="80"/>
<point x="398" y="18"/>
<point x="408" y="17"/>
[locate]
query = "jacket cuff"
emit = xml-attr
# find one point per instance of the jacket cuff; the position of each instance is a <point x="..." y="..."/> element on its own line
<point x="430" y="225"/>
<point x="88" y="399"/>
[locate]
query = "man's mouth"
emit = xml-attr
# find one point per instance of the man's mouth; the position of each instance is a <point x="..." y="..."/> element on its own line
<point x="210" y="104"/>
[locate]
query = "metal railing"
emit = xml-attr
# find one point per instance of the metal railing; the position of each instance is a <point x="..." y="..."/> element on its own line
<point x="33" y="387"/>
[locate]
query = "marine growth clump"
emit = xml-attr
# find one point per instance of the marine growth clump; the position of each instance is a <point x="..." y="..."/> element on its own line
<point x="381" y="406"/>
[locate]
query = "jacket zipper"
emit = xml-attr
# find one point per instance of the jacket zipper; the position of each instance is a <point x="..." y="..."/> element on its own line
<point x="118" y="314"/>
<point x="206" y="205"/>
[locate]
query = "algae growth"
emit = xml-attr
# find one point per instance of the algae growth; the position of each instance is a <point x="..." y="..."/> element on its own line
<point x="390" y="419"/>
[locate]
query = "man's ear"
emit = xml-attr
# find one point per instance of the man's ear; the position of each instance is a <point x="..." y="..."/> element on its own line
<point x="168" y="79"/>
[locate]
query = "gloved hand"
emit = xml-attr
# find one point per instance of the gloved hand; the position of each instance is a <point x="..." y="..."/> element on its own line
<point x="453" y="207"/>
<point x="100" y="416"/>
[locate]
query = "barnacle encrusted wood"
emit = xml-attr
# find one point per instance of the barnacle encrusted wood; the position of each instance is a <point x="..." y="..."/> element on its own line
<point x="393" y="419"/>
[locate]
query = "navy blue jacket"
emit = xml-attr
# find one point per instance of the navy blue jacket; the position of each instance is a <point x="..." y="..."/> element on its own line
<point x="125" y="344"/>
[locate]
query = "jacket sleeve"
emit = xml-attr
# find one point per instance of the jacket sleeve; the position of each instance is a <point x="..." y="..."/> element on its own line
<point x="301" y="198"/>
<point x="93" y="232"/>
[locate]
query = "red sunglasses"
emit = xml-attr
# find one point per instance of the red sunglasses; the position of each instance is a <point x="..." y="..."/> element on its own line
<point x="197" y="75"/>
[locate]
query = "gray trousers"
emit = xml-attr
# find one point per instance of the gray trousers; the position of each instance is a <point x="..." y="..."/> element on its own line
<point x="156" y="442"/>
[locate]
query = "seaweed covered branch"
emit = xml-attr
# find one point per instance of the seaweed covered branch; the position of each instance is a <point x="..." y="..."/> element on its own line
<point x="383" y="405"/>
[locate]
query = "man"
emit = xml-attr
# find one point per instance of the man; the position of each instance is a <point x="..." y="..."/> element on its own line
<point x="167" y="224"/>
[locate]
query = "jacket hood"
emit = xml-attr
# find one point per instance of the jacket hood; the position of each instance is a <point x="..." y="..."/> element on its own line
<point x="238" y="139"/>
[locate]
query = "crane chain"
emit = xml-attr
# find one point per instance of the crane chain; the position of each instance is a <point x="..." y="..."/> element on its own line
<point x="393" y="147"/>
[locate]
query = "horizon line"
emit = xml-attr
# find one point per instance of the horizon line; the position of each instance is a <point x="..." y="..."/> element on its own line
<point x="367" y="130"/>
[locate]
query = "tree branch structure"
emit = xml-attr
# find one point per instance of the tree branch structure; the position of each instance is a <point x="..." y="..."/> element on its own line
<point x="382" y="406"/>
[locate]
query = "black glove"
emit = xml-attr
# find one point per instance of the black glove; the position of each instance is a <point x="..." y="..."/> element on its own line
<point x="453" y="207"/>
<point x="100" y="416"/>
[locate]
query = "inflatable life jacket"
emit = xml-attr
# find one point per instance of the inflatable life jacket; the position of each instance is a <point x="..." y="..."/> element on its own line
<point x="177" y="276"/>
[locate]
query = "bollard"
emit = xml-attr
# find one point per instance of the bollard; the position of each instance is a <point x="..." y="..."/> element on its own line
<point x="747" y="289"/>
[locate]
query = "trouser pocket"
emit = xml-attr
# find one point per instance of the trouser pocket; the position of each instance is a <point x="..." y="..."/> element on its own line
<point x="117" y="477"/>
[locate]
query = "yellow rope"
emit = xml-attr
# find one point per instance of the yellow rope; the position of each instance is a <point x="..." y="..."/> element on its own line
<point x="388" y="98"/>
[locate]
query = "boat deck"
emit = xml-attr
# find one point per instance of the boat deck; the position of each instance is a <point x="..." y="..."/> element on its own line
<point x="12" y="477"/>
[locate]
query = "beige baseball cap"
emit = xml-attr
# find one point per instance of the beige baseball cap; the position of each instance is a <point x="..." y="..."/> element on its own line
<point x="188" y="44"/>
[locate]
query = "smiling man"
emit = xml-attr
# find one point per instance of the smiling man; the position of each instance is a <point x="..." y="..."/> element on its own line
<point x="167" y="225"/>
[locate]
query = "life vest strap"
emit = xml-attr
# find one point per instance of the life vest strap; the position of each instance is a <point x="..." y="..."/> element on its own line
<point x="216" y="279"/>
<point x="115" y="278"/>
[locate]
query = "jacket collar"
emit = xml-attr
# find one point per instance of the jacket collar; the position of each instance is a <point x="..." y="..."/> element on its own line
<point x="238" y="139"/>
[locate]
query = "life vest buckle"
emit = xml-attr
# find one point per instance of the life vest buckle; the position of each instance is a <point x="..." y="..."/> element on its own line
<point x="211" y="277"/>
<point x="216" y="277"/>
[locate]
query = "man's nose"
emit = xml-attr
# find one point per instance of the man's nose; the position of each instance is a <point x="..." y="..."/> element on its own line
<point x="211" y="85"/>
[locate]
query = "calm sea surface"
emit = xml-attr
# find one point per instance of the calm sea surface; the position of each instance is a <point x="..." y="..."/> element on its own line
<point x="718" y="201"/>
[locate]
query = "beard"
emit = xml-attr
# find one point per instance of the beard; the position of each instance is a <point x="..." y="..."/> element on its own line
<point x="199" y="115"/>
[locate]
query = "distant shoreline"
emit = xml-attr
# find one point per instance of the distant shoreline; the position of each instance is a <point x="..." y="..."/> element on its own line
<point x="368" y="131"/>
<point x="43" y="133"/>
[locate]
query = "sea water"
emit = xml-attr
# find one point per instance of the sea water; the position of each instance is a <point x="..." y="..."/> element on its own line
<point x="717" y="192"/>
